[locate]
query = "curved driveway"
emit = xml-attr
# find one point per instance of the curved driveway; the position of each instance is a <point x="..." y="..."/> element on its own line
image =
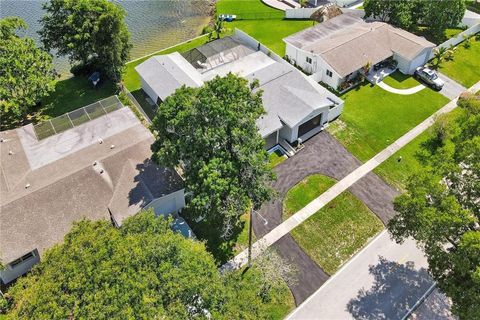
<point x="322" y="154"/>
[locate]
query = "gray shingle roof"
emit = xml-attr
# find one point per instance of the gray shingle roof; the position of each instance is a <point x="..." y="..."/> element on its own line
<point x="287" y="95"/>
<point x="166" y="73"/>
<point x="71" y="188"/>
<point x="347" y="42"/>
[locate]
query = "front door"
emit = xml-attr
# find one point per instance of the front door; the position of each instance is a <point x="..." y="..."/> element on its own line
<point x="309" y="125"/>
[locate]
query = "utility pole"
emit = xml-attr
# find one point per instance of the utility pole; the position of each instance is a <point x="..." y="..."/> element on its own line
<point x="250" y="233"/>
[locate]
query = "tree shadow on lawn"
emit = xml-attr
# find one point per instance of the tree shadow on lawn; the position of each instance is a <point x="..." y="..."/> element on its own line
<point x="221" y="249"/>
<point x="71" y="94"/>
<point x="396" y="288"/>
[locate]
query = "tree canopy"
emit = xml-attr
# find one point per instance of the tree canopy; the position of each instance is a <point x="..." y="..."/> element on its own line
<point x="435" y="15"/>
<point x="90" y="32"/>
<point x="141" y="271"/>
<point x="211" y="132"/>
<point x="441" y="209"/>
<point x="26" y="73"/>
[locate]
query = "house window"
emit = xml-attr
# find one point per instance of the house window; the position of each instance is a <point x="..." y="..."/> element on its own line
<point x="22" y="259"/>
<point x="309" y="60"/>
<point x="329" y="73"/>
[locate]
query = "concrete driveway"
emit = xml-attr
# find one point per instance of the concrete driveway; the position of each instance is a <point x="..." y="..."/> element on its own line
<point x="451" y="89"/>
<point x="325" y="155"/>
<point x="383" y="281"/>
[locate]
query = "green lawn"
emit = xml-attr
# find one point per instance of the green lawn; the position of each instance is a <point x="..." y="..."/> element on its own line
<point x="336" y="232"/>
<point x="262" y="22"/>
<point x="271" y="32"/>
<point x="397" y="172"/>
<point x="399" y="80"/>
<point x="465" y="66"/>
<point x="373" y="118"/>
<point x="276" y="157"/>
<point x="71" y="94"/>
<point x="245" y="9"/>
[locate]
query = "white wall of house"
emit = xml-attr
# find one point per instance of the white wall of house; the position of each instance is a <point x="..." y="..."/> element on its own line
<point x="148" y="90"/>
<point x="287" y="133"/>
<point x="408" y="66"/>
<point x="317" y="67"/>
<point x="168" y="204"/>
<point x="403" y="64"/>
<point x="335" y="112"/>
<point x="13" y="272"/>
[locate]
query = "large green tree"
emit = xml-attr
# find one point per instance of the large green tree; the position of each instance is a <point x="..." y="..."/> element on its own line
<point x="26" y="73"/>
<point x="435" y="15"/>
<point x="211" y="132"/>
<point x="89" y="32"/>
<point x="439" y="15"/>
<point x="441" y="209"/>
<point x="141" y="271"/>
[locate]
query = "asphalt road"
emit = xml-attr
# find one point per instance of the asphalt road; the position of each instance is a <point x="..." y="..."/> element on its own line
<point x="382" y="282"/>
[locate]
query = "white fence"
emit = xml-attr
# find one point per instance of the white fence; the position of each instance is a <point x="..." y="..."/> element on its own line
<point x="253" y="43"/>
<point x="459" y="37"/>
<point x="299" y="13"/>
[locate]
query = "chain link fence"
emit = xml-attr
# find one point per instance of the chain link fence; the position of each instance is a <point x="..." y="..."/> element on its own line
<point x="76" y="117"/>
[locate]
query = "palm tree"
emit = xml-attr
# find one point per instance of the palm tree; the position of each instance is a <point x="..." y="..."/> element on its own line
<point x="303" y="3"/>
<point x="218" y="27"/>
<point x="439" y="55"/>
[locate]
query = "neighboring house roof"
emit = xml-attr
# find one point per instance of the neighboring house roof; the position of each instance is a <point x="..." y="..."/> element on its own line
<point x="65" y="186"/>
<point x="288" y="96"/>
<point x="347" y="42"/>
<point x="166" y="73"/>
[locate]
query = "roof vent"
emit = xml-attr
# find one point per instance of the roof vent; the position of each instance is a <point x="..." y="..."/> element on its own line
<point x="95" y="163"/>
<point x="27" y="186"/>
<point x="10" y="152"/>
<point x="1" y="140"/>
<point x="100" y="140"/>
<point x="101" y="171"/>
<point x="112" y="146"/>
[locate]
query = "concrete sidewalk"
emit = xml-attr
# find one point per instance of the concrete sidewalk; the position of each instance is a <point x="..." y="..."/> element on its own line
<point x="383" y="281"/>
<point x="310" y="209"/>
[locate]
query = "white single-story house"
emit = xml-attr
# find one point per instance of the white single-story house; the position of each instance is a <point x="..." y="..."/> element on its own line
<point x="297" y="107"/>
<point x="100" y="169"/>
<point x="336" y="50"/>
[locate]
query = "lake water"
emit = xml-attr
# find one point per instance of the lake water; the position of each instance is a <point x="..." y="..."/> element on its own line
<point x="153" y="24"/>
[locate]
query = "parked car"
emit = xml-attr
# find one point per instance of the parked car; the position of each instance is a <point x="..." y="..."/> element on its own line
<point x="227" y="17"/>
<point x="430" y="77"/>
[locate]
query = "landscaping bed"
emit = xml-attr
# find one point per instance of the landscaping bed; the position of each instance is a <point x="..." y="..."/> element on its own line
<point x="373" y="118"/>
<point x="336" y="232"/>
<point x="465" y="66"/>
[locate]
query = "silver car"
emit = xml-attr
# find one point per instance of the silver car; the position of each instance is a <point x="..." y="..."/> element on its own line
<point x="430" y="77"/>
